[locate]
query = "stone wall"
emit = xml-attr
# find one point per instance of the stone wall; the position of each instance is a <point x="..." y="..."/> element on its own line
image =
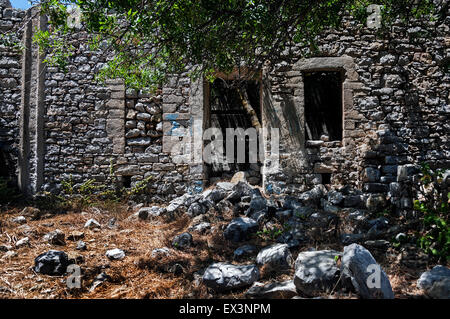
<point x="10" y="87"/>
<point x="396" y="109"/>
<point x="395" y="114"/>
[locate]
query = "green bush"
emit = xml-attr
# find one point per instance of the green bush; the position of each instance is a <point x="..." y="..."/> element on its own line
<point x="433" y="205"/>
<point x="91" y="193"/>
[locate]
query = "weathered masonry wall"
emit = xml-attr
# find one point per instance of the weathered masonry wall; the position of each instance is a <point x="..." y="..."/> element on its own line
<point x="10" y="88"/>
<point x="395" y="99"/>
<point x="396" y="109"/>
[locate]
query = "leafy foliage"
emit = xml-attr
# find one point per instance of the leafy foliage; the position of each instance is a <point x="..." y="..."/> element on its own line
<point x="433" y="204"/>
<point x="152" y="39"/>
<point x="273" y="232"/>
<point x="90" y="193"/>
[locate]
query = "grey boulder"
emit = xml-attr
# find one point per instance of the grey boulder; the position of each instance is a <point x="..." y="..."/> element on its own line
<point x="436" y="282"/>
<point x="276" y="257"/>
<point x="367" y="277"/>
<point x="223" y="276"/>
<point x="240" y="229"/>
<point x="92" y="223"/>
<point x="244" y="251"/>
<point x="55" y="237"/>
<point x="275" y="290"/>
<point x="196" y="209"/>
<point x="316" y="271"/>
<point x="182" y="241"/>
<point x="53" y="263"/>
<point x="115" y="254"/>
<point x="149" y="212"/>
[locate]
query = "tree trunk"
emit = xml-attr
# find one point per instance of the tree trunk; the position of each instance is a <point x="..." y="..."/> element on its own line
<point x="249" y="109"/>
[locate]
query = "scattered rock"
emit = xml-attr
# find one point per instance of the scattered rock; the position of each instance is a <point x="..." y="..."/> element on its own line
<point x="76" y="235"/>
<point x="26" y="230"/>
<point x="5" y="248"/>
<point x="53" y="263"/>
<point x="276" y="257"/>
<point x="176" y="269"/>
<point x="380" y="244"/>
<point x="178" y="202"/>
<point x="31" y="212"/>
<point x="223" y="276"/>
<point x="238" y="177"/>
<point x="200" y="228"/>
<point x="244" y="251"/>
<point x="55" y="237"/>
<point x="352" y="201"/>
<point x="335" y="197"/>
<point x="283" y="215"/>
<point x="92" y="223"/>
<point x="401" y="237"/>
<point x="303" y="212"/>
<point x="101" y="278"/>
<point x="328" y="207"/>
<point x="228" y="187"/>
<point x="316" y="271"/>
<point x="112" y="223"/>
<point x="9" y="254"/>
<point x="81" y="245"/>
<point x="182" y="241"/>
<point x="240" y="229"/>
<point x="196" y="209"/>
<point x="115" y="254"/>
<point x="214" y="195"/>
<point x="436" y="282"/>
<point x="241" y="189"/>
<point x="378" y="224"/>
<point x="19" y="220"/>
<point x="257" y="204"/>
<point x="314" y="195"/>
<point x="145" y="213"/>
<point x="23" y="242"/>
<point x="276" y="290"/>
<point x="367" y="277"/>
<point x="348" y="239"/>
<point x="376" y="203"/>
<point x="161" y="252"/>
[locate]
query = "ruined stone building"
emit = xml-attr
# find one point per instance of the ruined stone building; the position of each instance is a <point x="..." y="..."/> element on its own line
<point x="361" y="112"/>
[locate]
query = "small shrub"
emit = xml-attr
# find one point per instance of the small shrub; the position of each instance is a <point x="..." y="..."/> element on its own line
<point x="273" y="233"/>
<point x="433" y="204"/>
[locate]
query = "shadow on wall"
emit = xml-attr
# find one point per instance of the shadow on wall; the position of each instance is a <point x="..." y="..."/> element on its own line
<point x="7" y="167"/>
<point x="413" y="134"/>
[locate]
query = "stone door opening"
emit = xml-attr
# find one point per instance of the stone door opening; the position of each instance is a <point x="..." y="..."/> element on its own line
<point x="228" y="105"/>
<point x="323" y="105"/>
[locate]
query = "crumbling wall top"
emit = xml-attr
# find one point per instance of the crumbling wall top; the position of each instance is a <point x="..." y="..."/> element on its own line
<point x="5" y="4"/>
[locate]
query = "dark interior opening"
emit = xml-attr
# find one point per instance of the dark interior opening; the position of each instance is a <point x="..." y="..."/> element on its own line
<point x="3" y="165"/>
<point x="326" y="178"/>
<point x="227" y="111"/>
<point x="6" y="161"/>
<point x="323" y="105"/>
<point x="126" y="181"/>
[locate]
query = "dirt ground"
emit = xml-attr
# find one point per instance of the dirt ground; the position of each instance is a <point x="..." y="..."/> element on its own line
<point x="139" y="275"/>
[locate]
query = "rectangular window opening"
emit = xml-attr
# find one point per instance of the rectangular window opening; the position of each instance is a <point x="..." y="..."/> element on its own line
<point x="323" y="105"/>
<point x="226" y="110"/>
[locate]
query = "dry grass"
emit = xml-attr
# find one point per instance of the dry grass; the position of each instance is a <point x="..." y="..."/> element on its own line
<point x="139" y="275"/>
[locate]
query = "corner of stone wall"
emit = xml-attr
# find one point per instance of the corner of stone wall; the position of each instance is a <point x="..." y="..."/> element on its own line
<point x="115" y="121"/>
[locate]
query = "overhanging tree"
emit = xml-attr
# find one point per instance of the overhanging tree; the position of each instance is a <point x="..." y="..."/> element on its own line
<point x="148" y="40"/>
